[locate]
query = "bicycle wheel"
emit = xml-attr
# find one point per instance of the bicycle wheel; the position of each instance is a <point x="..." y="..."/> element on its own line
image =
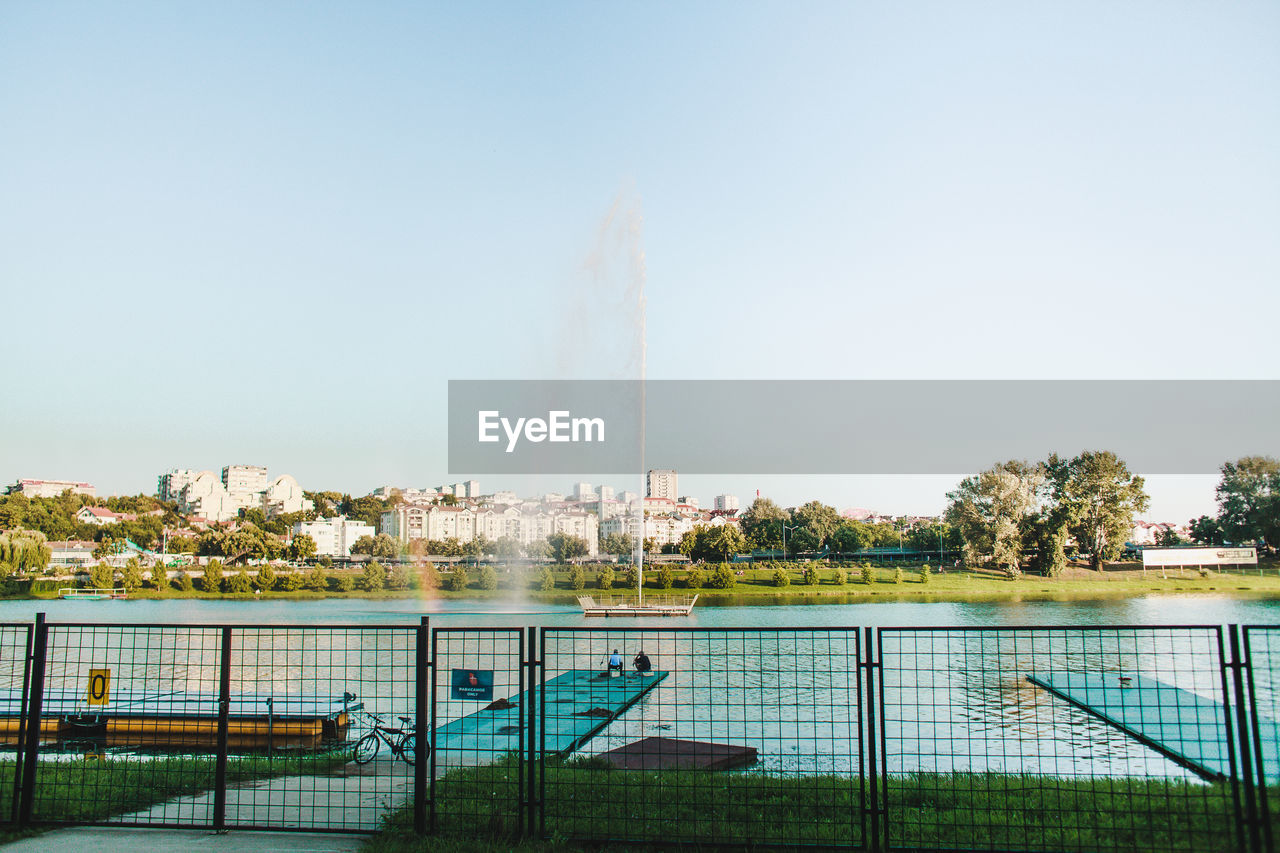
<point x="366" y="749"/>
<point x="407" y="746"/>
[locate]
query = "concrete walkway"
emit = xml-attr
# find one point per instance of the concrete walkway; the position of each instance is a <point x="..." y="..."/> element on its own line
<point x="129" y="840"/>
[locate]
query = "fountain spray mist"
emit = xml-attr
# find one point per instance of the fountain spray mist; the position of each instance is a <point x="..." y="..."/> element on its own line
<point x="620" y="239"/>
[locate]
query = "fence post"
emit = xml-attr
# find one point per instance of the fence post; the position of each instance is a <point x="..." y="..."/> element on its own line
<point x="431" y="780"/>
<point x="871" y="807"/>
<point x="1260" y="789"/>
<point x="224" y="710"/>
<point x="39" y="648"/>
<point x="1241" y="741"/>
<point x="425" y="732"/>
<point x="531" y="728"/>
<point x="22" y="730"/>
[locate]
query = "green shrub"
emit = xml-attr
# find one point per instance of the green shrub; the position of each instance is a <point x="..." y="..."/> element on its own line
<point x="102" y="576"/>
<point x="630" y="577"/>
<point x="346" y="582"/>
<point x="868" y="573"/>
<point x="373" y="578"/>
<point x="781" y="577"/>
<point x="266" y="577"/>
<point x="809" y="575"/>
<point x="317" y="580"/>
<point x="398" y="577"/>
<point x="694" y="578"/>
<point x="839" y="577"/>
<point x="604" y="578"/>
<point x="924" y="574"/>
<point x="131" y="577"/>
<point x="488" y="578"/>
<point x="184" y="582"/>
<point x="722" y="577"/>
<point x="458" y="579"/>
<point x="212" y="579"/>
<point x="546" y="580"/>
<point x="577" y="578"/>
<point x="897" y="575"/>
<point x="426" y="577"/>
<point x="666" y="578"/>
<point x="240" y="582"/>
<point x="290" y="581"/>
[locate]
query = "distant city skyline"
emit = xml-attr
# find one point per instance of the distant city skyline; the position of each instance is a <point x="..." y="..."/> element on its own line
<point x="902" y="495"/>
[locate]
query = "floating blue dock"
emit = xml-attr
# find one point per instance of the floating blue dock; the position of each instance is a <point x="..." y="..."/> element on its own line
<point x="578" y="704"/>
<point x="1182" y="725"/>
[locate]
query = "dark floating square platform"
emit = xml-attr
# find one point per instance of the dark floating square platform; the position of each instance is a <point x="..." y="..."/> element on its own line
<point x="665" y="753"/>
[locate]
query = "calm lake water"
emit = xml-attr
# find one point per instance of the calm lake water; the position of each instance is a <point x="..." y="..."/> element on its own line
<point x="1145" y="610"/>
<point x="783" y="679"/>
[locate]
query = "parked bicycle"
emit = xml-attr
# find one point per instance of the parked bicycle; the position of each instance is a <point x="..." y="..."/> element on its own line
<point x="401" y="741"/>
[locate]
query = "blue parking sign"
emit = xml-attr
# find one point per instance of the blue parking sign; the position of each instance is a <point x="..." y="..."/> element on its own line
<point x="473" y="684"/>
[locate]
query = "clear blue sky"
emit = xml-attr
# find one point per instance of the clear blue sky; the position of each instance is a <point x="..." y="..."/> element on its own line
<point x="270" y="233"/>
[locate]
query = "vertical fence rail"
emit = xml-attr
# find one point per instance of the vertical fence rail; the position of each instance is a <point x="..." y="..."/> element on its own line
<point x="31" y="725"/>
<point x="1262" y="676"/>
<point x="15" y="678"/>
<point x="421" y="712"/>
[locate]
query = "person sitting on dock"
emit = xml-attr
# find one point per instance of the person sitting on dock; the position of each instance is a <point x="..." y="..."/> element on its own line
<point x="615" y="662"/>
<point x="641" y="663"/>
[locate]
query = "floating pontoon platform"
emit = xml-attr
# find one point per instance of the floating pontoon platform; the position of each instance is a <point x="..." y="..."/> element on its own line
<point x="184" y="720"/>
<point x="665" y="753"/>
<point x="1188" y="728"/>
<point x="658" y="605"/>
<point x="578" y="704"/>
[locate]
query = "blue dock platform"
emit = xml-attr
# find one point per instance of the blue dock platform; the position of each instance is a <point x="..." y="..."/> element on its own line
<point x="578" y="704"/>
<point x="1188" y="728"/>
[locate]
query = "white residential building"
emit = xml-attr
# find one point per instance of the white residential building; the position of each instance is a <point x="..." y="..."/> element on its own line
<point x="244" y="479"/>
<point x="333" y="536"/>
<point x="240" y="487"/>
<point x="605" y="493"/>
<point x="170" y="484"/>
<point x="50" y="488"/>
<point x="661" y="483"/>
<point x="583" y="492"/>
<point x="726" y="503"/>
<point x="101" y="516"/>
<point x="526" y="524"/>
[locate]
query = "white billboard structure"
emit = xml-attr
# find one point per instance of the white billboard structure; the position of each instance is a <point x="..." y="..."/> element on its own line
<point x="1214" y="555"/>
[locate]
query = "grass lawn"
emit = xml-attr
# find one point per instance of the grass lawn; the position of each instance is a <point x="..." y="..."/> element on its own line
<point x="88" y="790"/>
<point x="984" y="811"/>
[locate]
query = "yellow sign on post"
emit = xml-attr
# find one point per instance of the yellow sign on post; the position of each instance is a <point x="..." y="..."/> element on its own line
<point x="99" y="692"/>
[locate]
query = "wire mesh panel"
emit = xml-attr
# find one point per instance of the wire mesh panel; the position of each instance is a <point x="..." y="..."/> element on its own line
<point x="1262" y="651"/>
<point x="716" y="736"/>
<point x="128" y="725"/>
<point x="14" y="643"/>
<point x="479" y="724"/>
<point x="322" y="727"/>
<point x="1057" y="739"/>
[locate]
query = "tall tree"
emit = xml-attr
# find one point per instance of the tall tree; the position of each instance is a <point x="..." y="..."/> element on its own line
<point x="1249" y="501"/>
<point x="566" y="547"/>
<point x="1205" y="530"/>
<point x="990" y="509"/>
<point x="1098" y="499"/>
<point x="762" y="523"/>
